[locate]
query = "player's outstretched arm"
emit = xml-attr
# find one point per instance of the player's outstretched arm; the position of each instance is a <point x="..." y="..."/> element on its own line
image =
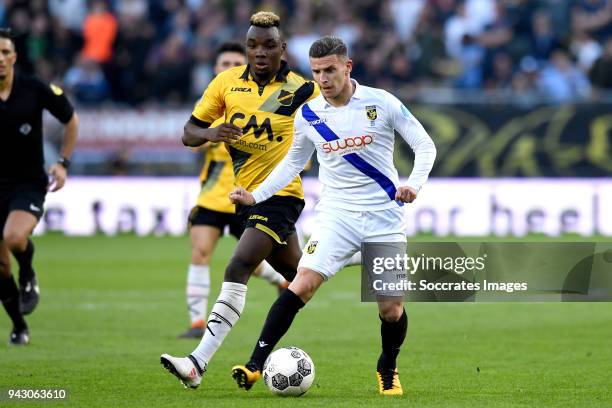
<point x="59" y="171"/>
<point x="195" y="135"/>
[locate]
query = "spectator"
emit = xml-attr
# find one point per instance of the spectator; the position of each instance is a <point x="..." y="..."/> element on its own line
<point x="456" y="29"/>
<point x="495" y="37"/>
<point x="543" y="40"/>
<point x="2" y="14"/>
<point x="346" y="26"/>
<point x="299" y="44"/>
<point x="429" y="54"/>
<point x="423" y="43"/>
<point x="169" y="67"/>
<point x="69" y="13"/>
<point x="86" y="81"/>
<point x="586" y="50"/>
<point x="126" y="72"/>
<point x="99" y="32"/>
<point x="593" y="16"/>
<point x="601" y="72"/>
<point x="64" y="47"/>
<point x="501" y="78"/>
<point x="202" y="72"/>
<point x="561" y="81"/>
<point x="38" y="41"/>
<point x="405" y="15"/>
<point x="480" y="13"/>
<point x="462" y="45"/>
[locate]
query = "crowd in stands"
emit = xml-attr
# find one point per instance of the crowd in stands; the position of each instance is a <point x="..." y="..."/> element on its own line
<point x="160" y="51"/>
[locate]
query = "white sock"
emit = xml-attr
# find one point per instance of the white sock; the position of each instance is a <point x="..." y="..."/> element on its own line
<point x="355" y="259"/>
<point x="198" y="289"/>
<point x="268" y="273"/>
<point x="223" y="316"/>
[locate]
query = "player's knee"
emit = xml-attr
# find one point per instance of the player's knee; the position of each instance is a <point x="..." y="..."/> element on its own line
<point x="200" y="256"/>
<point x="239" y="269"/>
<point x="15" y="241"/>
<point x="391" y="311"/>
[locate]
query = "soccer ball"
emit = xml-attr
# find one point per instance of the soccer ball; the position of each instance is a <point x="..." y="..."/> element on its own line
<point x="289" y="371"/>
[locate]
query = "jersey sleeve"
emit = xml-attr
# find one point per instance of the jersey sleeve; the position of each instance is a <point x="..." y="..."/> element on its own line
<point x="211" y="105"/>
<point x="292" y="164"/>
<point x="316" y="92"/>
<point x="55" y="101"/>
<point x="417" y="138"/>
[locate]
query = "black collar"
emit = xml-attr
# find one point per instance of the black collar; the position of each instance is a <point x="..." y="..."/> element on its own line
<point x="281" y="75"/>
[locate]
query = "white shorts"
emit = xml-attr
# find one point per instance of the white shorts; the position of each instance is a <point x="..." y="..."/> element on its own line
<point x="338" y="234"/>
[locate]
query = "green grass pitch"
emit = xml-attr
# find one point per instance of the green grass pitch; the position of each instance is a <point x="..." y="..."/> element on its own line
<point x="110" y="306"/>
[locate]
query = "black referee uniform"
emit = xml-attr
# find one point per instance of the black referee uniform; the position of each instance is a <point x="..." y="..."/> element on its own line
<point x="23" y="179"/>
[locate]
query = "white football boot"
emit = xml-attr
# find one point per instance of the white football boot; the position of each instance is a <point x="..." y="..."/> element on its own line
<point x="186" y="369"/>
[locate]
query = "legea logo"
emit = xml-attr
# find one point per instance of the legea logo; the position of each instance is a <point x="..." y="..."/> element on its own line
<point x="353" y="143"/>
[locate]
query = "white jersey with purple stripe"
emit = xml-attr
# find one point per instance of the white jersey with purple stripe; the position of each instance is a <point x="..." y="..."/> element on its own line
<point x="354" y="145"/>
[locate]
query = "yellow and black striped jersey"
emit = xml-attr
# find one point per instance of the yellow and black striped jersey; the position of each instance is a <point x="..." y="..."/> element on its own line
<point x="265" y="114"/>
<point x="216" y="178"/>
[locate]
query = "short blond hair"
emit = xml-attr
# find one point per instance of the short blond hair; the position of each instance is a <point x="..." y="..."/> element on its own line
<point x="265" y="19"/>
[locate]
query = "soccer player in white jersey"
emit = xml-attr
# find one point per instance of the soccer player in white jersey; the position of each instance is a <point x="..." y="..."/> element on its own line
<point x="352" y="129"/>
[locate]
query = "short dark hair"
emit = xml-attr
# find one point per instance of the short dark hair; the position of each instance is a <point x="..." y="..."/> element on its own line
<point x="230" y="47"/>
<point x="7" y="33"/>
<point x="265" y="19"/>
<point x="328" y="45"/>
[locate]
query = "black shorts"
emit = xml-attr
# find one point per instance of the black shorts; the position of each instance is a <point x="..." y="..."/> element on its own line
<point x="204" y="216"/>
<point x="26" y="197"/>
<point x="276" y="216"/>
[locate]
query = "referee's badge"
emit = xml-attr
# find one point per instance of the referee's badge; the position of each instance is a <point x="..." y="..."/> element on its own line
<point x="25" y="129"/>
<point x="312" y="245"/>
<point x="371" y="113"/>
<point x="56" y="89"/>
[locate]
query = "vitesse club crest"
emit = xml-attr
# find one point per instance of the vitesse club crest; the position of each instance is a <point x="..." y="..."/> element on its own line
<point x="312" y="245"/>
<point x="285" y="98"/>
<point x="371" y="112"/>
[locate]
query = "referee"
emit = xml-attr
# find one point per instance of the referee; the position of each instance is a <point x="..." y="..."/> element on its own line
<point x="23" y="180"/>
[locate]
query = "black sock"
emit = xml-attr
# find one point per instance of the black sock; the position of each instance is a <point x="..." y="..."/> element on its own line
<point x="393" y="335"/>
<point x="24" y="259"/>
<point x="9" y="296"/>
<point x="277" y="323"/>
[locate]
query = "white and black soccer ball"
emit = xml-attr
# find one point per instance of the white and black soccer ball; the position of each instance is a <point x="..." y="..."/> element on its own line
<point x="289" y="371"/>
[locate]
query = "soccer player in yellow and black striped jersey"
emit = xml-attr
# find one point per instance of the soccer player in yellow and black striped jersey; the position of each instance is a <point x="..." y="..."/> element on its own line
<point x="214" y="211"/>
<point x="258" y="104"/>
